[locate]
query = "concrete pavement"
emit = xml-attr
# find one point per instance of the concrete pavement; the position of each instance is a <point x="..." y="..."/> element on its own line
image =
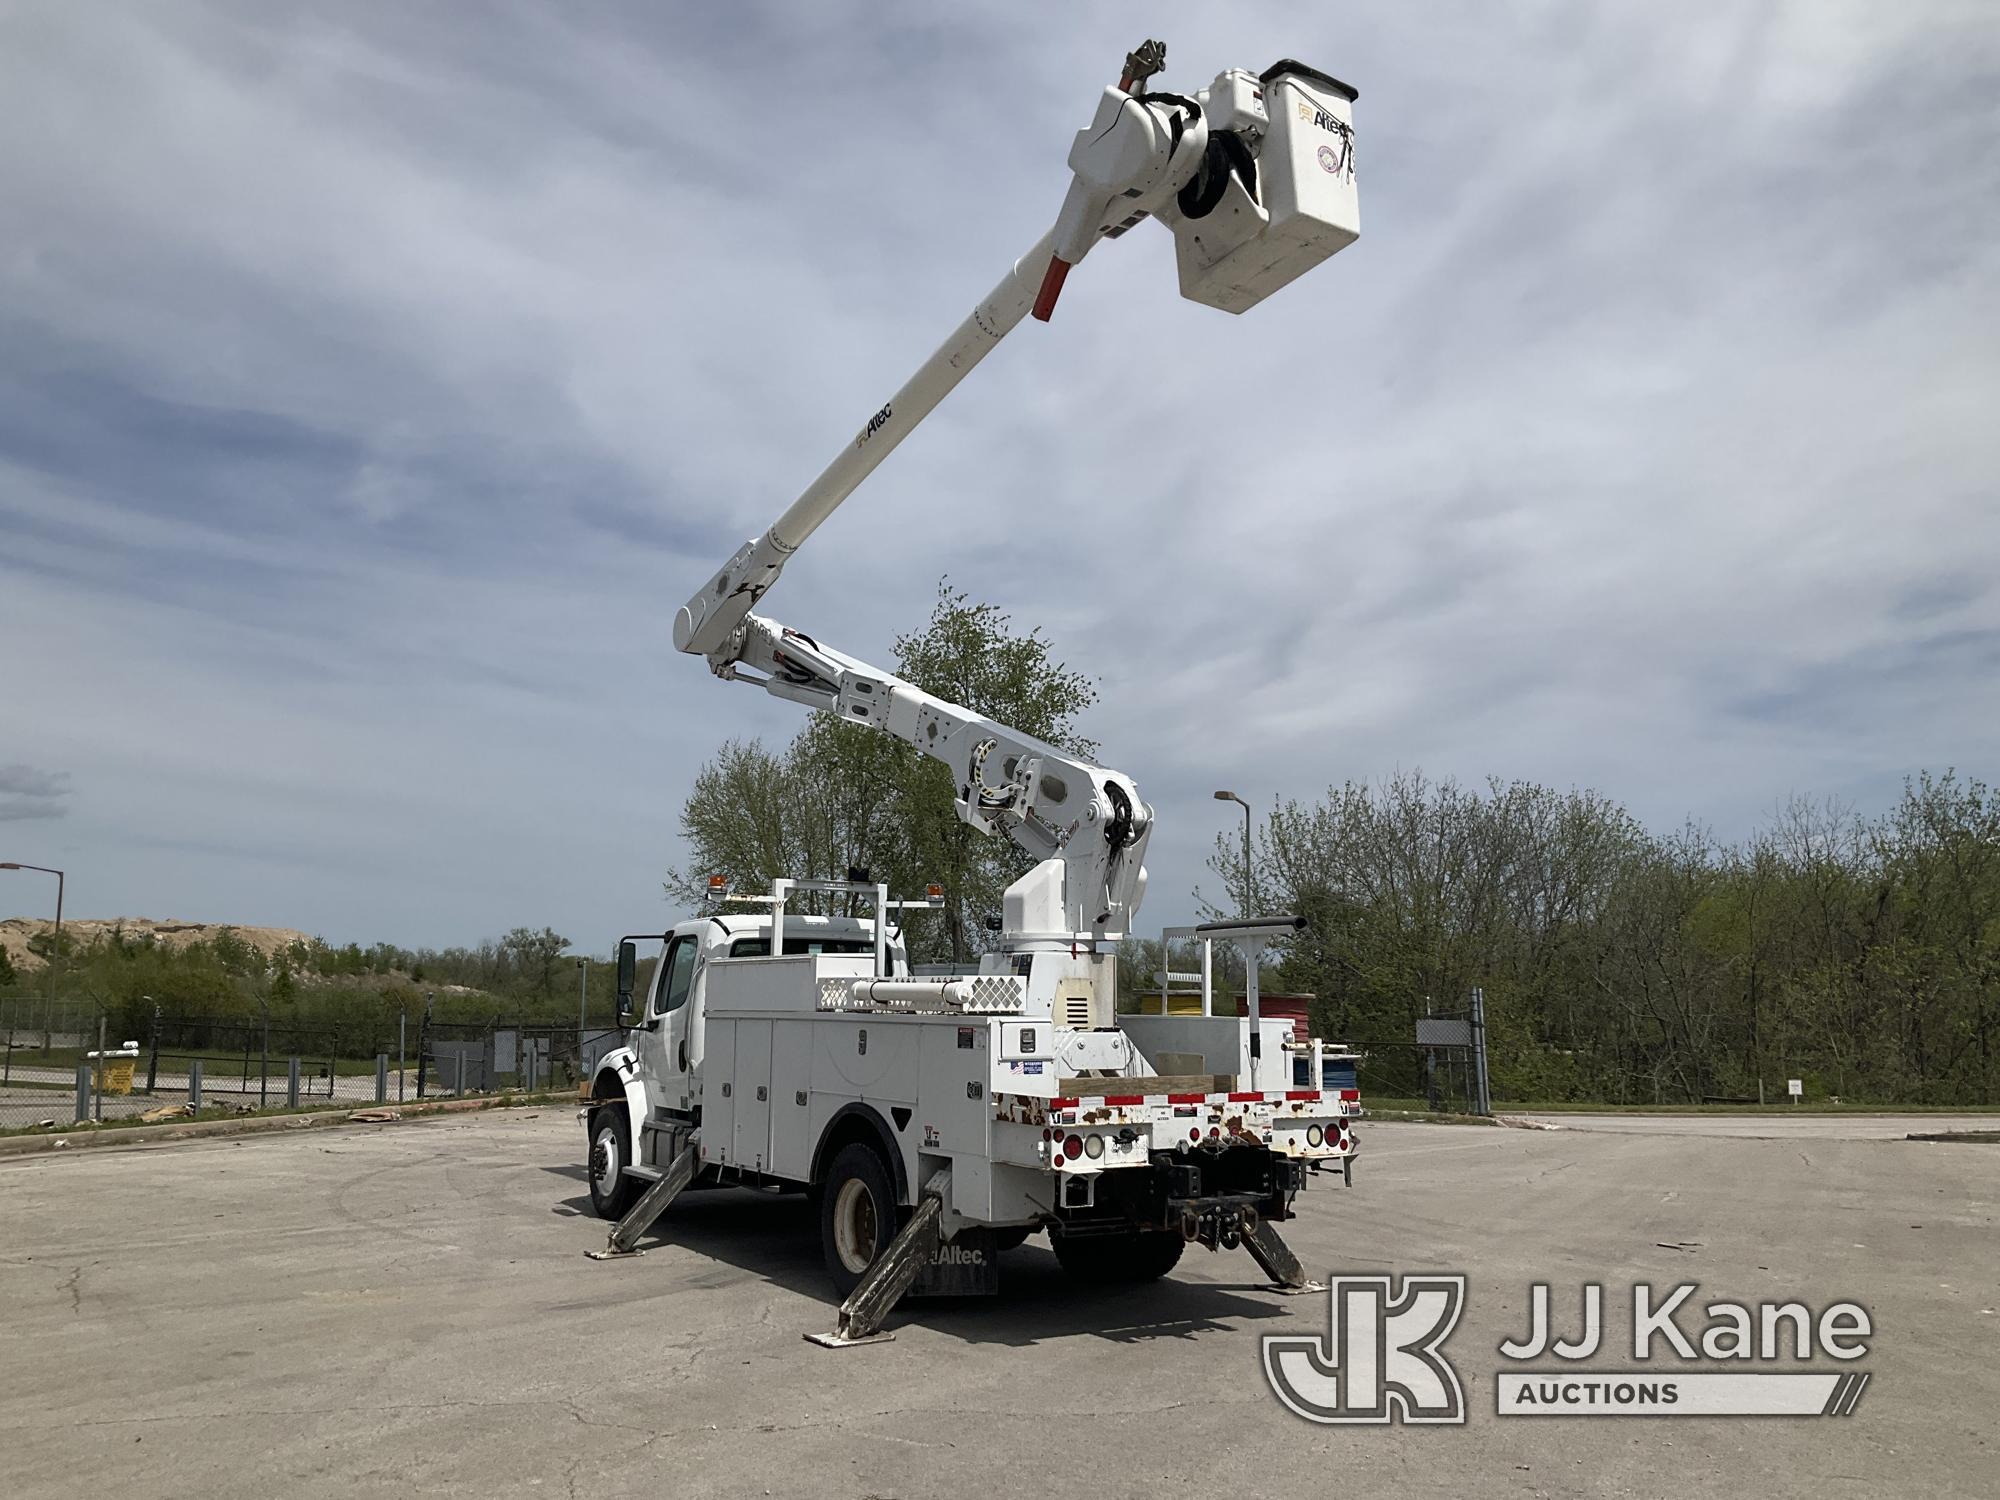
<point x="407" y="1310"/>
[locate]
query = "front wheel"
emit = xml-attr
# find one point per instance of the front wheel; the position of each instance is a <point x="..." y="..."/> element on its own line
<point x="1115" y="1259"/>
<point x="858" y="1216"/>
<point x="612" y="1193"/>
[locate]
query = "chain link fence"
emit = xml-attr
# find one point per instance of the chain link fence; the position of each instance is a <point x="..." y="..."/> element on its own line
<point x="59" y="1064"/>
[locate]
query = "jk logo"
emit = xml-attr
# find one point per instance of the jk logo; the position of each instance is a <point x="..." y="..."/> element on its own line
<point x="1380" y="1359"/>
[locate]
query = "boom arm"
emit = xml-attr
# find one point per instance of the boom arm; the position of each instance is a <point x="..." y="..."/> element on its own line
<point x="1255" y="177"/>
<point x="1085" y="825"/>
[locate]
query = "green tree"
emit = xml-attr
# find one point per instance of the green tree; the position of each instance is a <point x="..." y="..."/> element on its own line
<point x="9" y="975"/>
<point x="535" y="954"/>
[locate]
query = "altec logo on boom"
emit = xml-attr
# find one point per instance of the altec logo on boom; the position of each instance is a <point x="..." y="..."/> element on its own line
<point x="1383" y="1360"/>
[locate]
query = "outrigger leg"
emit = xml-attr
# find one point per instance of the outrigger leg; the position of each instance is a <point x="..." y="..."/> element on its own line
<point x="1270" y="1251"/>
<point x="652" y="1203"/>
<point x="882" y="1285"/>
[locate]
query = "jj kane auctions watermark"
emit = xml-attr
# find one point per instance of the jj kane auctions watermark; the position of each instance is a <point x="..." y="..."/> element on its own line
<point x="1382" y="1358"/>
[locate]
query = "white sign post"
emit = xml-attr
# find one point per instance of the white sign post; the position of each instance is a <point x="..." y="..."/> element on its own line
<point x="1796" y="1087"/>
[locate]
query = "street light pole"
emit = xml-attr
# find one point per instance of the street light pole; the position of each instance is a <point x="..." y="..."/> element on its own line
<point x="54" y="962"/>
<point x="1248" y="903"/>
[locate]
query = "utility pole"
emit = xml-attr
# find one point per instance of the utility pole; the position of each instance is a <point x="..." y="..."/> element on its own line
<point x="1482" y="1091"/>
<point x="582" y="1014"/>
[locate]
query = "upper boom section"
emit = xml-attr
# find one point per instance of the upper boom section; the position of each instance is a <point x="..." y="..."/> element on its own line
<point x="1253" y="174"/>
<point x="707" y="622"/>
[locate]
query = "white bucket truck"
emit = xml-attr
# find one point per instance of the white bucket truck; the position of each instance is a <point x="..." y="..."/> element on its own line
<point x="938" y="1119"/>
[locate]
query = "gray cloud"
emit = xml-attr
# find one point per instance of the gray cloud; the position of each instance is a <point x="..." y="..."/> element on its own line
<point x="377" y="387"/>
<point x="26" y="792"/>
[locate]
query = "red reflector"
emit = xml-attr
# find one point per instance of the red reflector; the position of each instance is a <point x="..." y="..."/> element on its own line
<point x="1302" y="1093"/>
<point x="1350" y="1093"/>
<point x="1185" y="1098"/>
<point x="1073" y="1147"/>
<point x="1246" y="1098"/>
<point x="1052" y="283"/>
<point x="1194" y="1132"/>
<point x="1065" y="1103"/>
<point x="1124" y="1098"/>
<point x="1212" y="1130"/>
<point x="1047" y="1134"/>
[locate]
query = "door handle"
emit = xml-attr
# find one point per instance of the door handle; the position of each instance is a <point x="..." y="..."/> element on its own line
<point x="684" y="1055"/>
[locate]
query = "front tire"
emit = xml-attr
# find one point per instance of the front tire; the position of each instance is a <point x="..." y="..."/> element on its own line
<point x="1118" y="1259"/>
<point x="858" y="1215"/>
<point x="612" y="1193"/>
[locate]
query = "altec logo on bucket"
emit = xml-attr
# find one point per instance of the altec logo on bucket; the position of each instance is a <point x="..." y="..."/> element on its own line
<point x="1382" y="1359"/>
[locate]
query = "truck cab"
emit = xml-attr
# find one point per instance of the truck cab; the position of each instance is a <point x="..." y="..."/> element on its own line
<point x="646" y="1094"/>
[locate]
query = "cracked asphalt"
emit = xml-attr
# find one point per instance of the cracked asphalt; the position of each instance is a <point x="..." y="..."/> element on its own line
<point x="407" y="1310"/>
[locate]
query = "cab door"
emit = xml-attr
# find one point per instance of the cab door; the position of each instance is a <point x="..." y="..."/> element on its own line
<point x="662" y="1037"/>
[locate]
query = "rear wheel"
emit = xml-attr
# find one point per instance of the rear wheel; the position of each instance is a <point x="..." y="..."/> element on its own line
<point x="1115" y="1259"/>
<point x="612" y="1193"/>
<point x="858" y="1214"/>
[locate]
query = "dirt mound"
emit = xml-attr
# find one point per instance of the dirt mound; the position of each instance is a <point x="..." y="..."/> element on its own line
<point x="15" y="932"/>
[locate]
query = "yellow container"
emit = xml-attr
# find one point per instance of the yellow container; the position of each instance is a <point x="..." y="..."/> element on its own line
<point x="111" y="1072"/>
<point x="1179" y="1003"/>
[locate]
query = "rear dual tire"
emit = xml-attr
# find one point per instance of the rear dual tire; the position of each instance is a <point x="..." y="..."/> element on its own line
<point x="858" y="1215"/>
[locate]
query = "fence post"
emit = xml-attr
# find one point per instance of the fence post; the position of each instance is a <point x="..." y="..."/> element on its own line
<point x="381" y="1078"/>
<point x="194" y="1083"/>
<point x="153" y="1053"/>
<point x="292" y="1085"/>
<point x="402" y="1052"/>
<point x="461" y="1071"/>
<point x="82" y="1091"/>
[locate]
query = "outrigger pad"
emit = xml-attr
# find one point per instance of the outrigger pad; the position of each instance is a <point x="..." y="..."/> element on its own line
<point x="837" y="1341"/>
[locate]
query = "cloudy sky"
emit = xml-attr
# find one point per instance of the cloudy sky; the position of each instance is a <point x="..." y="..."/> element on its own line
<point x="378" y="379"/>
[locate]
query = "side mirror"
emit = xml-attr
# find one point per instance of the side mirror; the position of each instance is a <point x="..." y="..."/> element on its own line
<point x="628" y="963"/>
